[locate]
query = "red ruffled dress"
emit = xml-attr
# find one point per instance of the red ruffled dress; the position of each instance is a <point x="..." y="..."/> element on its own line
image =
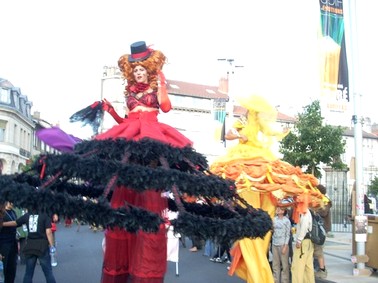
<point x="139" y="257"/>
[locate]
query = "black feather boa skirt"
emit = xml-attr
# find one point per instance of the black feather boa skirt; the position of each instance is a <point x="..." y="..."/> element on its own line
<point x="80" y="184"/>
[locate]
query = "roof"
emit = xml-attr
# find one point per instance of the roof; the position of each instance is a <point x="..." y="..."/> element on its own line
<point x="5" y="83"/>
<point x="212" y="92"/>
<point x="283" y="118"/>
<point x="195" y="90"/>
<point x="349" y="132"/>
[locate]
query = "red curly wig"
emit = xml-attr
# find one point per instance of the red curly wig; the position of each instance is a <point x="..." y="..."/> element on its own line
<point x="153" y="64"/>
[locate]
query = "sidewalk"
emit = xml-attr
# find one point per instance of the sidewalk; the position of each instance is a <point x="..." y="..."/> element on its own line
<point x="338" y="251"/>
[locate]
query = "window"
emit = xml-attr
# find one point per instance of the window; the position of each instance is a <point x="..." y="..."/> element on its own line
<point x="15" y="133"/>
<point x="22" y="104"/>
<point x="5" y="95"/>
<point x="16" y="99"/>
<point x="3" y="126"/>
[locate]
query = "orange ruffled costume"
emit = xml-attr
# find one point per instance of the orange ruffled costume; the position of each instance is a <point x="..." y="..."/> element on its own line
<point x="263" y="181"/>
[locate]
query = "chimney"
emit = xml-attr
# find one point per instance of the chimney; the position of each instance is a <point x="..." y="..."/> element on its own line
<point x="37" y="115"/>
<point x="223" y="85"/>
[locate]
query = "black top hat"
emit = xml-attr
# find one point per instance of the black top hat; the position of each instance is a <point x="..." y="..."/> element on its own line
<point x="139" y="51"/>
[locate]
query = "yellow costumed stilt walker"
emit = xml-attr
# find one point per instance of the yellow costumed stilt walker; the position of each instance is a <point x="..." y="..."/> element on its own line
<point x="263" y="181"/>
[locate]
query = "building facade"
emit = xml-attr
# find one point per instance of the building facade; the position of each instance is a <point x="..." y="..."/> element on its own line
<point x="18" y="142"/>
<point x="16" y="128"/>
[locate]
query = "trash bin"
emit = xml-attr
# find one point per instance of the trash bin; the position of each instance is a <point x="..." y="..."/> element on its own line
<point x="371" y="241"/>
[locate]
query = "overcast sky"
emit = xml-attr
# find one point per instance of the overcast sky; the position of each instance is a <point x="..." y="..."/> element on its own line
<point x="55" y="50"/>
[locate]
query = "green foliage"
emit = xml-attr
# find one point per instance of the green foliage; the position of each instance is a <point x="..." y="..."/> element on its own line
<point x="27" y="167"/>
<point x="373" y="187"/>
<point x="311" y="143"/>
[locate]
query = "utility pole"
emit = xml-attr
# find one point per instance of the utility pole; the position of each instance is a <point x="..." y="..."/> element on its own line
<point x="360" y="258"/>
<point x="231" y="98"/>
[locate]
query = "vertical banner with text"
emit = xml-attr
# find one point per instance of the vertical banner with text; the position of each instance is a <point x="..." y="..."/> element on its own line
<point x="219" y="110"/>
<point x="333" y="60"/>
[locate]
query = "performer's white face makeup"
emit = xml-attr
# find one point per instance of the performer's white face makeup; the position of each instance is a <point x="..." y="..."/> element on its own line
<point x="140" y="74"/>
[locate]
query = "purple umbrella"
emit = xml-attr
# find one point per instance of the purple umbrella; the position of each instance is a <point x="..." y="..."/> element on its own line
<point x="58" y="139"/>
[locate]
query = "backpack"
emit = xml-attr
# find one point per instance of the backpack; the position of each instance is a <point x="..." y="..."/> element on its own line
<point x="318" y="233"/>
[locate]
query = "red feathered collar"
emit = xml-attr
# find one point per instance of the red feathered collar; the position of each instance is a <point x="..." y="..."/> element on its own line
<point x="138" y="87"/>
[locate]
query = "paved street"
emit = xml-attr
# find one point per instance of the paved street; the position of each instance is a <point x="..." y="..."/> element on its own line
<point x="80" y="259"/>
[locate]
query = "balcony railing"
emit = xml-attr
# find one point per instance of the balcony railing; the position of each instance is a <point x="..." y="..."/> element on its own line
<point x="25" y="153"/>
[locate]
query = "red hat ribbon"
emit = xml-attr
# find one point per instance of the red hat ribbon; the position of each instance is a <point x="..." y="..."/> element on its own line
<point x="142" y="54"/>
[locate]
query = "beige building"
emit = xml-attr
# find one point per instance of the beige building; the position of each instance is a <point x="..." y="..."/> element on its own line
<point x="18" y="142"/>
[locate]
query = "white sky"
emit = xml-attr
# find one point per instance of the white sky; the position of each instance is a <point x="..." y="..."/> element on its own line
<point x="55" y="50"/>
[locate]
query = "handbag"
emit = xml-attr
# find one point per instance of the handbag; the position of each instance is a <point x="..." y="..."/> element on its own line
<point x="36" y="247"/>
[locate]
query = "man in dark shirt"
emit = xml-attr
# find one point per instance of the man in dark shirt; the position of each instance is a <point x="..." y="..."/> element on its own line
<point x="38" y="242"/>
<point x="8" y="244"/>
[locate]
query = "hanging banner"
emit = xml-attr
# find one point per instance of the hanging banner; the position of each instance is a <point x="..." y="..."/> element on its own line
<point x="333" y="61"/>
<point x="219" y="111"/>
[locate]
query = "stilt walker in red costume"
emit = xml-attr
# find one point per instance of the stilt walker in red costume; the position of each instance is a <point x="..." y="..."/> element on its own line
<point x="141" y="256"/>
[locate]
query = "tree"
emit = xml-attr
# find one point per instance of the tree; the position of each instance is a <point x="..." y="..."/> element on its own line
<point x="373" y="187"/>
<point x="311" y="143"/>
<point x="27" y="167"/>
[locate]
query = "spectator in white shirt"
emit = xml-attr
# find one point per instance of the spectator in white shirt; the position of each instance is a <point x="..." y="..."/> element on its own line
<point x="302" y="267"/>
